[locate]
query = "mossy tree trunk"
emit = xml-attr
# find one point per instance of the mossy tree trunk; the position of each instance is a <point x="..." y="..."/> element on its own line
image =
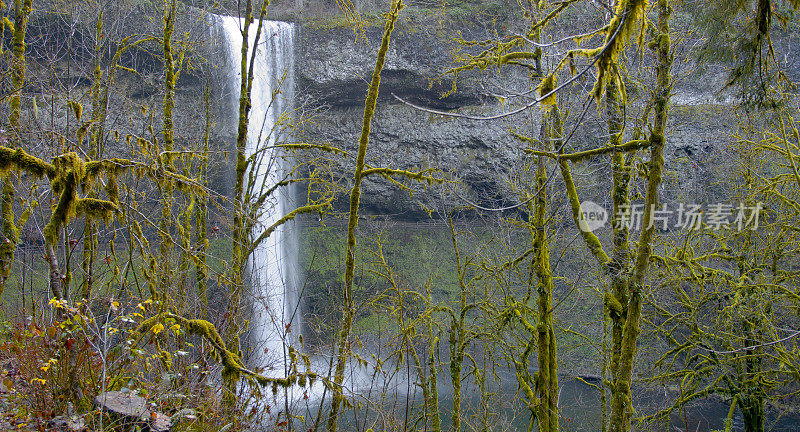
<point x="241" y="237"/>
<point x="95" y="138"/>
<point x="427" y="371"/>
<point x="547" y="382"/>
<point x="458" y="337"/>
<point x="166" y="157"/>
<point x="458" y="345"/>
<point x="343" y="344"/>
<point x="22" y="10"/>
<point x="201" y="211"/>
<point x="752" y="397"/>
<point x="430" y="385"/>
<point x="619" y="267"/>
<point x="621" y="401"/>
<point x="627" y="271"/>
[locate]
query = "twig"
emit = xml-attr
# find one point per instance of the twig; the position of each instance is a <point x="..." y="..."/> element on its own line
<point x="562" y="40"/>
<point x="752" y="347"/>
<point x="529" y="104"/>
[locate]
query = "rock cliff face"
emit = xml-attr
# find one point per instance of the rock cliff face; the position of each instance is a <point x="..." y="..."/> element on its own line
<point x="334" y="67"/>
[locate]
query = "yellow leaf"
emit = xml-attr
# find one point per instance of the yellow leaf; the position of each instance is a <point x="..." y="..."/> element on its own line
<point x="49" y="364"/>
<point x="175" y="327"/>
<point x="158" y="328"/>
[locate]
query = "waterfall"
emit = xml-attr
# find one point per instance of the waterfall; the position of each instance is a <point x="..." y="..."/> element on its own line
<point x="276" y="319"/>
<point x="270" y="269"/>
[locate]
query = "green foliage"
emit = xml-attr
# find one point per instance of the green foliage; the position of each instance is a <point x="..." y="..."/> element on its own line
<point x="338" y="20"/>
<point x="730" y="300"/>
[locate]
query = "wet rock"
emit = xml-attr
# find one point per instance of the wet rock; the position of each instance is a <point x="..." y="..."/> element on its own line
<point x="68" y="423"/>
<point x="134" y="410"/>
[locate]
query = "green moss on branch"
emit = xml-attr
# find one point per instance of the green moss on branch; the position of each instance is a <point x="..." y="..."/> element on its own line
<point x="19" y="160"/>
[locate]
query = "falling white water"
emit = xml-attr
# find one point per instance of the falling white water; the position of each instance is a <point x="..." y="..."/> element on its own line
<point x="275" y="316"/>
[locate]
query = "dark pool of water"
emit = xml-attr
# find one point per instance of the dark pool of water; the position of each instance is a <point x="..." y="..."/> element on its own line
<point x="579" y="404"/>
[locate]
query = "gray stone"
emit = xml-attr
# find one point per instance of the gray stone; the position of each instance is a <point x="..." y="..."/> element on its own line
<point x="133" y="408"/>
<point x="68" y="423"/>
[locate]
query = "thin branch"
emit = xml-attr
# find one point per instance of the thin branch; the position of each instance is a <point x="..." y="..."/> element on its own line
<point x="529" y="104"/>
<point x="536" y="44"/>
<point x="752" y="347"/>
<point x="495" y="209"/>
<point x="631" y="145"/>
